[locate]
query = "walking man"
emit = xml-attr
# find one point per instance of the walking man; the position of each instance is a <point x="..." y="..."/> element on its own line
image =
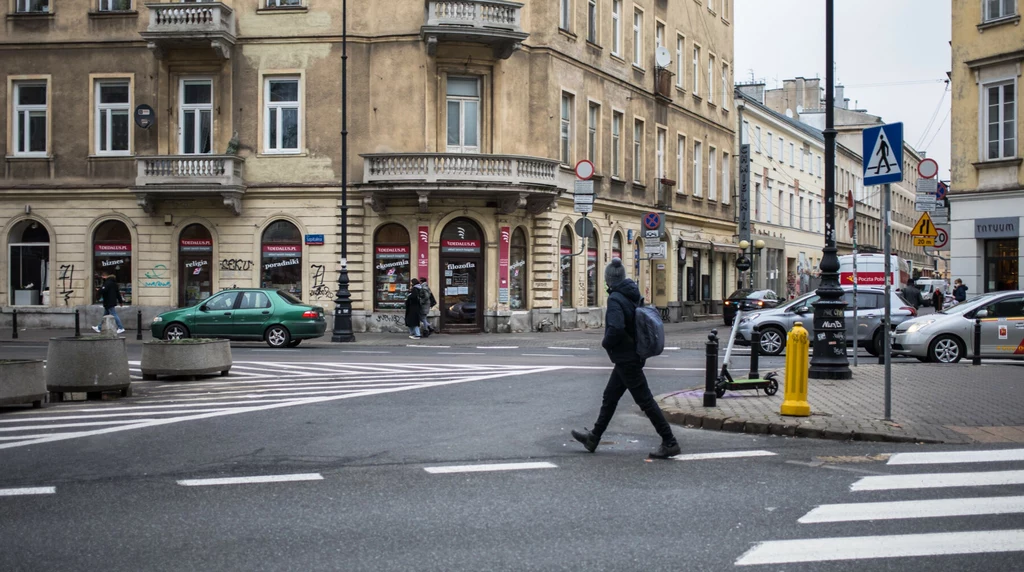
<point x="427" y="302"/>
<point x="628" y="373"/>
<point x="412" y="310"/>
<point x="110" y="297"/>
<point x="912" y="294"/>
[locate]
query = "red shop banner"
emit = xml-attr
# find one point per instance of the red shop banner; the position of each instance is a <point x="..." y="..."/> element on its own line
<point x="423" y="252"/>
<point x="503" y="249"/>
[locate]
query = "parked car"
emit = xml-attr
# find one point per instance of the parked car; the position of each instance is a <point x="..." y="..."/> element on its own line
<point x="748" y="299"/>
<point x="277" y="317"/>
<point x="948" y="336"/>
<point x="776" y="323"/>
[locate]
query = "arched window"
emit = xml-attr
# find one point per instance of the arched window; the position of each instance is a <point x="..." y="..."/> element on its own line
<point x="281" y="258"/>
<point x="195" y="261"/>
<point x="592" y="268"/>
<point x="566" y="252"/>
<point x="112" y="252"/>
<point x="517" y="271"/>
<point x="638" y="247"/>
<point x="617" y="246"/>
<point x="29" y="268"/>
<point x="392" y="272"/>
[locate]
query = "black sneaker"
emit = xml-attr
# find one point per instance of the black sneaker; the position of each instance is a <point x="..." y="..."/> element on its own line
<point x="589" y="440"/>
<point x="665" y="451"/>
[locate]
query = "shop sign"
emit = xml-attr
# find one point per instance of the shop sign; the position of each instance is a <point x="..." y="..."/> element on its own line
<point x="114" y="262"/>
<point x="281" y="250"/>
<point x="317" y="239"/>
<point x="423" y="251"/>
<point x="121" y="250"/>
<point x="503" y="250"/>
<point x="392" y="252"/>
<point x="1001" y="227"/>
<point x="460" y="246"/>
<point x="196" y="245"/>
<point x="289" y="262"/>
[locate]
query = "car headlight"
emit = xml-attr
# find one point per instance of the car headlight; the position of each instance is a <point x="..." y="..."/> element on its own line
<point x="157" y="320"/>
<point x="918" y="326"/>
<point x="750" y="318"/>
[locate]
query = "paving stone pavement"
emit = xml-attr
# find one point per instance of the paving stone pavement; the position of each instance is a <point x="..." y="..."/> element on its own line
<point x="931" y="403"/>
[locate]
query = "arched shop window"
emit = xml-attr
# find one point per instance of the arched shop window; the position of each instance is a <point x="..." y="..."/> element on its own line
<point x="195" y="265"/>
<point x="617" y="246"/>
<point x="29" y="268"/>
<point x="517" y="271"/>
<point x="565" y="266"/>
<point x="592" y="268"/>
<point x="637" y="249"/>
<point x="112" y="252"/>
<point x="391" y="269"/>
<point x="281" y="258"/>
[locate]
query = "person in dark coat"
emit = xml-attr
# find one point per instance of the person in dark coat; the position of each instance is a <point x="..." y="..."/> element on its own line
<point x="628" y="373"/>
<point x="960" y="292"/>
<point x="110" y="297"/>
<point x="426" y="303"/>
<point x="937" y="299"/>
<point x="912" y="294"/>
<point x="412" y="310"/>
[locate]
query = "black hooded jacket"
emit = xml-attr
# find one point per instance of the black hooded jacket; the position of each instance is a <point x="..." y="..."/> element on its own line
<point x="110" y="293"/>
<point x="619" y="322"/>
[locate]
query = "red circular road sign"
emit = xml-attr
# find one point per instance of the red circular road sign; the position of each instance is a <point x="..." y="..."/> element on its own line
<point x="928" y="168"/>
<point x="584" y="170"/>
<point x="941" y="238"/>
<point x="652" y="220"/>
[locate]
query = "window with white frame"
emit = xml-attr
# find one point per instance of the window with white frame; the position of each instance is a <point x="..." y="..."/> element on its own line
<point x="112" y="121"/>
<point x="281" y="118"/>
<point x="792" y="209"/>
<point x="565" y="14"/>
<point x="757" y="202"/>
<point x="711" y="78"/>
<point x="712" y="169"/>
<point x="819" y="166"/>
<point x="638" y="37"/>
<point x="757" y="138"/>
<point x="996" y="9"/>
<point x="32" y="6"/>
<point x="768" y="199"/>
<point x="122" y="5"/>
<point x="593" y="117"/>
<point x="801" y="212"/>
<point x="565" y="132"/>
<point x="680" y="162"/>
<point x="592" y="21"/>
<point x="791" y="153"/>
<point x="725" y="9"/>
<point x="698" y="168"/>
<point x="1000" y="114"/>
<point x="463" y="109"/>
<point x="617" y="27"/>
<point x="779" y="204"/>
<point x="802" y="155"/>
<point x="726" y="91"/>
<point x="196" y="113"/>
<point x="771" y="140"/>
<point x="283" y="3"/>
<point x="661" y="152"/>
<point x="696" y="70"/>
<point x="617" y="144"/>
<point x="782" y="153"/>
<point x="745" y="133"/>
<point x="659" y="35"/>
<point x="680" y="44"/>
<point x="726" y="170"/>
<point x="638" y="150"/>
<point x="30" y="118"/>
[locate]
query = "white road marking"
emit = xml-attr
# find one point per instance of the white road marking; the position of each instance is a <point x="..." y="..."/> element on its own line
<point x="722" y="455"/>
<point x="20" y="346"/>
<point x="28" y="491"/>
<point x="570" y="349"/>
<point x="251" y="480"/>
<point x="943" y="457"/>
<point x="546" y="355"/>
<point x="491" y="467"/>
<point x="894" y="546"/>
<point x="65" y="425"/>
<point x="461" y="353"/>
<point x="361" y="352"/>
<point x="938" y="480"/>
<point x="271" y="350"/>
<point x="672" y="348"/>
<point x="913" y="509"/>
<point x="425" y="346"/>
<point x="497" y="347"/>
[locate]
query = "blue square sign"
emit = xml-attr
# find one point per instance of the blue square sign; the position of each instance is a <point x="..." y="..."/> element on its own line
<point x="883" y="154"/>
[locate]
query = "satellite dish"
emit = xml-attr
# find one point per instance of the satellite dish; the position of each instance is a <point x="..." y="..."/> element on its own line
<point x="661" y="57"/>
<point x="799" y="109"/>
<point x="789" y="113"/>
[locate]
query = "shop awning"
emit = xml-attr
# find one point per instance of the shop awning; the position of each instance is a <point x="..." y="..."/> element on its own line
<point x="730" y="248"/>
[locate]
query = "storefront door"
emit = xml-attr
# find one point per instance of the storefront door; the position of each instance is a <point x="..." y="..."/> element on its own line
<point x="195" y="265"/>
<point x="460" y="292"/>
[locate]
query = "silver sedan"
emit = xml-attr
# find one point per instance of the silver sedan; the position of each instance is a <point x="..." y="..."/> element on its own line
<point x="948" y="336"/>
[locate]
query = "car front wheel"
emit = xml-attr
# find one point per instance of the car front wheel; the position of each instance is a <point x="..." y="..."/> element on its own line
<point x="772" y="341"/>
<point x="175" y="332"/>
<point x="946" y="349"/>
<point x="278" y="337"/>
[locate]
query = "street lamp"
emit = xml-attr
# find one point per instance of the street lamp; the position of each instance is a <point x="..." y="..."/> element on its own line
<point x="759" y="245"/>
<point x="343" y="301"/>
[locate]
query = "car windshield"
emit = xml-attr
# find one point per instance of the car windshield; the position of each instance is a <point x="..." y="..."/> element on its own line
<point x="287" y="297"/>
<point x="740" y="294"/>
<point x="965" y="307"/>
<point x="801" y="301"/>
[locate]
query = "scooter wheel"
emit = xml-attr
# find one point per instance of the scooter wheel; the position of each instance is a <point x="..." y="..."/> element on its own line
<point x="719" y="391"/>
<point x="773" y="387"/>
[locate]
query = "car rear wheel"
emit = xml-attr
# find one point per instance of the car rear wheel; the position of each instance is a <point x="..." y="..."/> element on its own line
<point x="772" y="341"/>
<point x="946" y="349"/>
<point x="175" y="331"/>
<point x="277" y="336"/>
<point x="875" y="348"/>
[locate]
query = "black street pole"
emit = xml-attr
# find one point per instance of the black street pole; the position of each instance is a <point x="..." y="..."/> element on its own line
<point x="828" y="360"/>
<point x="343" y="301"/>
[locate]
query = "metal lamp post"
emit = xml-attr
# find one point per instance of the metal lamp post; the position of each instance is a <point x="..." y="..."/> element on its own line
<point x="759" y="245"/>
<point x="343" y="301"/>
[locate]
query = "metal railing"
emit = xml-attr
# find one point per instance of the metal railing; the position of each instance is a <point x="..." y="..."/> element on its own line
<point x="434" y="167"/>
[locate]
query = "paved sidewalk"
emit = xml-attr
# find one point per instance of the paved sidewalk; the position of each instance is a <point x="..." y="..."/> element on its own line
<point x="931" y="403"/>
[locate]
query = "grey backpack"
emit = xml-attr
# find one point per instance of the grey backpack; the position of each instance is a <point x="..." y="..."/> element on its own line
<point x="650" y="331"/>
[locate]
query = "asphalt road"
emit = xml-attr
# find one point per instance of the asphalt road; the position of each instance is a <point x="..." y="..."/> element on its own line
<point x="367" y="456"/>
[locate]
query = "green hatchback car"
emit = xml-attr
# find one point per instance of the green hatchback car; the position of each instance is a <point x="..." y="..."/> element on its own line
<point x="277" y="317"/>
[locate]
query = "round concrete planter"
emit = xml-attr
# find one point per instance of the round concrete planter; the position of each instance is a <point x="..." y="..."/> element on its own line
<point x="22" y="381"/>
<point x="187" y="357"/>
<point x="90" y="365"/>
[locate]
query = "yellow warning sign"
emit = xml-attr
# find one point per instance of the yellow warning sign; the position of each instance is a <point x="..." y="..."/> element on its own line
<point x="924" y="241"/>
<point x="924" y="227"/>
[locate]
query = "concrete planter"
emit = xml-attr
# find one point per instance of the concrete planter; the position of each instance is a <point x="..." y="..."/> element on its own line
<point x="188" y="357"/>
<point x="22" y="381"/>
<point x="87" y="364"/>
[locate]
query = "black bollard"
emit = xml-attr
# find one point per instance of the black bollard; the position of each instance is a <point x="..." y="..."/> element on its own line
<point x="711" y="369"/>
<point x="78" y="325"/>
<point x="976" y="360"/>
<point x="14" y="323"/>
<point x="755" y="352"/>
<point x="138" y="325"/>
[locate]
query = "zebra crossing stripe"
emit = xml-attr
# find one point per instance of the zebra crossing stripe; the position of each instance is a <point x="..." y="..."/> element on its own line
<point x="251" y="480"/>
<point x="932" y="508"/>
<point x="722" y="455"/>
<point x="943" y="457"/>
<point x="487" y="468"/>
<point x="893" y="546"/>
<point x="27" y="491"/>
<point x="938" y="480"/>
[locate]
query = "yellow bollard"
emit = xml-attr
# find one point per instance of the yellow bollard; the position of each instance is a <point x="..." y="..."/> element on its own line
<point x="797" y="357"/>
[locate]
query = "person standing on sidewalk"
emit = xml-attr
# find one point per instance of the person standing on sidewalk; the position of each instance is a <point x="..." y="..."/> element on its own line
<point x="628" y="373"/>
<point x="412" y="310"/>
<point x="110" y="297"/>
<point x="937" y="299"/>
<point x="427" y="302"/>
<point x="912" y="294"/>
<point x="960" y="291"/>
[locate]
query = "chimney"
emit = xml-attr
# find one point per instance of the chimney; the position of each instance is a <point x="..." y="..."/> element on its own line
<point x="839" y="96"/>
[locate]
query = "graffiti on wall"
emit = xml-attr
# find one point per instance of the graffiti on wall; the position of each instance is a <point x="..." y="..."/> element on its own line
<point x="319" y="289"/>
<point x="236" y="264"/>
<point x="67" y="276"/>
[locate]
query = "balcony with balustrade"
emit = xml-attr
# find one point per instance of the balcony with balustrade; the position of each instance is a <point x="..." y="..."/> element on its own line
<point x="177" y="177"/>
<point x="495" y="23"/>
<point x="510" y="182"/>
<point x="190" y="24"/>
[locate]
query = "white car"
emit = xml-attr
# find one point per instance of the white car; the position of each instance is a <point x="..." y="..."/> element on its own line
<point x="948" y="336"/>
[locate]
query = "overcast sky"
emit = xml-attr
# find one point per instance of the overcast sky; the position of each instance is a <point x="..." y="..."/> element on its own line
<point x="892" y="56"/>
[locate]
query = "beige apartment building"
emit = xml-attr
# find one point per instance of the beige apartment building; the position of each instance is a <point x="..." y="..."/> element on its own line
<point x="191" y="147"/>
<point x="987" y="191"/>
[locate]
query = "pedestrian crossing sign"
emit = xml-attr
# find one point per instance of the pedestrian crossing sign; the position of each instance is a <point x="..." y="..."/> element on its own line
<point x="924" y="227"/>
<point x="883" y="154"/>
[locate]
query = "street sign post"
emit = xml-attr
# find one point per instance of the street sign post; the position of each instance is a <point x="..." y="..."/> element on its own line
<point x="883" y="154"/>
<point x="927" y="168"/>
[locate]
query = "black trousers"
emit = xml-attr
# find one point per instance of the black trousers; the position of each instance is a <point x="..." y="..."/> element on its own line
<point x="630" y="376"/>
